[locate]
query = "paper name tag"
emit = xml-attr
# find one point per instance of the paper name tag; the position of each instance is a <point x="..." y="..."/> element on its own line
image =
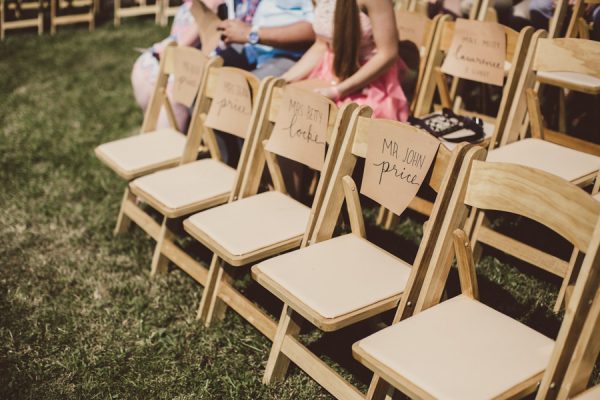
<point x="411" y="26"/>
<point x="188" y="67"/>
<point x="397" y="162"/>
<point x="300" y="131"/>
<point x="231" y="108"/>
<point x="477" y="52"/>
<point x="207" y="22"/>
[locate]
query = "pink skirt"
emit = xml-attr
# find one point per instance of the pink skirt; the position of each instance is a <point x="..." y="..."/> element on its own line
<point x="384" y="95"/>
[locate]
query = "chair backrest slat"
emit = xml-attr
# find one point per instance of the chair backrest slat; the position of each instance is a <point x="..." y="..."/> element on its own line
<point x="568" y="55"/>
<point x="537" y="195"/>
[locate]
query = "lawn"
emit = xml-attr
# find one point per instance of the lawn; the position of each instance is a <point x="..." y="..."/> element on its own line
<point x="79" y="316"/>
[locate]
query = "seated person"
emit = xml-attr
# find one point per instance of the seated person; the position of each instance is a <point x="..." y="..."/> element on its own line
<point x="145" y="70"/>
<point x="356" y="54"/>
<point x="268" y="36"/>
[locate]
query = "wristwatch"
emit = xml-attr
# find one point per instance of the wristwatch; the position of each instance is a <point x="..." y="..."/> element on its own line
<point x="253" y="37"/>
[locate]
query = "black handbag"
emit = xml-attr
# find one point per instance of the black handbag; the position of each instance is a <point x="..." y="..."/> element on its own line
<point x="440" y="125"/>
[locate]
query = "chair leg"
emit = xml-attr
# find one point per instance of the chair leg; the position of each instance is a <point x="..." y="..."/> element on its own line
<point x="569" y="280"/>
<point x="390" y="221"/>
<point x="211" y="307"/>
<point x="379" y="389"/>
<point x="159" y="261"/>
<point x="123" y="221"/>
<point x="480" y="220"/>
<point x="381" y="216"/>
<point x="278" y="363"/>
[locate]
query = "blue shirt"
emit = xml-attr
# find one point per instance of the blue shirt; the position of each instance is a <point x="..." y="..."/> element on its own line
<point x="273" y="13"/>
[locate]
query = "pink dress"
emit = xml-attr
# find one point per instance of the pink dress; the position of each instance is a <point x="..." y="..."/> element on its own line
<point x="384" y="95"/>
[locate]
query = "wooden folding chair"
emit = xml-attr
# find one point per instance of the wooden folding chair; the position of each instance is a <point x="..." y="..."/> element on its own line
<point x="18" y="14"/>
<point x="571" y="65"/>
<point x="434" y="80"/>
<point x="194" y="185"/>
<point x="580" y="363"/>
<point x="138" y="8"/>
<point x="168" y="10"/>
<point x="578" y="26"/>
<point x="155" y="149"/>
<point x="572" y="165"/>
<point x="254" y="226"/>
<point x="463" y="349"/>
<point x="67" y="12"/>
<point x="337" y="282"/>
<point x="420" y="30"/>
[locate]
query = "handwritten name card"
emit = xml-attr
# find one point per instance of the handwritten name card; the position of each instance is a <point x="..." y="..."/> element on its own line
<point x="206" y="21"/>
<point x="188" y="65"/>
<point x="411" y="26"/>
<point x="477" y="52"/>
<point x="231" y="108"/>
<point x="398" y="159"/>
<point x="300" y="129"/>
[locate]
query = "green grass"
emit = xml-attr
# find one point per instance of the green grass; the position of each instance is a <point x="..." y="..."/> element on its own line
<point x="79" y="316"/>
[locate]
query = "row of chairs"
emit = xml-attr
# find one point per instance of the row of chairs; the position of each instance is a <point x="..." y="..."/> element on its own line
<point x="20" y="14"/>
<point x="529" y="63"/>
<point x="335" y="282"/>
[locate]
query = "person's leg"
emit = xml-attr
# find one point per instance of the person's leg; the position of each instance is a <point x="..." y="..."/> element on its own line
<point x="595" y="33"/>
<point x="275" y="66"/>
<point x="504" y="10"/>
<point x="540" y="12"/>
<point x="234" y="56"/>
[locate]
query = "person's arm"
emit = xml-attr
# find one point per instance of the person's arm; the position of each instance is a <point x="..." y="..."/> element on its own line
<point x="293" y="36"/>
<point x="385" y="36"/>
<point x="307" y="63"/>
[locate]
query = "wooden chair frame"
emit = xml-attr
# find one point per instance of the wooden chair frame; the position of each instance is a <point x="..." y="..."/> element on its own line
<point x="578" y="55"/>
<point x="433" y="79"/>
<point x="526" y="108"/>
<point x="218" y="292"/>
<point x="129" y="211"/>
<point x="167" y="11"/>
<point x="534" y="194"/>
<point x="166" y="249"/>
<point x="286" y="346"/>
<point x="58" y="18"/>
<point x="578" y="26"/>
<point x="141" y="8"/>
<point x="425" y="50"/>
<point x="17" y="7"/>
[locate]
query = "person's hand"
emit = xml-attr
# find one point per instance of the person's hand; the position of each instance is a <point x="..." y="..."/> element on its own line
<point x="331" y="92"/>
<point x="234" y="31"/>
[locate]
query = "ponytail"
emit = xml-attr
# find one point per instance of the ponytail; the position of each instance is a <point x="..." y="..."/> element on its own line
<point x="346" y="38"/>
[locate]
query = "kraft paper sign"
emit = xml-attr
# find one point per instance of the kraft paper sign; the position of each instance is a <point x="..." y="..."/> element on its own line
<point x="411" y="26"/>
<point x="300" y="131"/>
<point x="477" y="52"/>
<point x="231" y="108"/>
<point x="188" y="65"/>
<point x="397" y="162"/>
<point x="207" y="22"/>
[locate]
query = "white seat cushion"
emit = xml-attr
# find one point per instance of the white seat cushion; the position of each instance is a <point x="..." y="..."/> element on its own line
<point x="136" y="155"/>
<point x="569" y="79"/>
<point x="460" y="349"/>
<point x="253" y="223"/>
<point x="338" y="276"/>
<point x="186" y="185"/>
<point x="561" y="161"/>
<point x="590" y="394"/>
